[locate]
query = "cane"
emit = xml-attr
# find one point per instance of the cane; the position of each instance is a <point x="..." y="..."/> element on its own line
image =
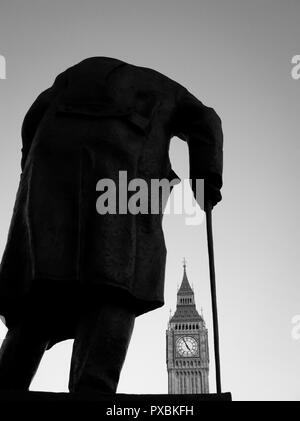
<point x="208" y="210"/>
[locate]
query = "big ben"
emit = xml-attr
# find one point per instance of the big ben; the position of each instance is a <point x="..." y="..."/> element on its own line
<point x="187" y="345"/>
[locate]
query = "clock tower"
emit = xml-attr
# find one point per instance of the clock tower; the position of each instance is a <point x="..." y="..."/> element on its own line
<point x="187" y="345"/>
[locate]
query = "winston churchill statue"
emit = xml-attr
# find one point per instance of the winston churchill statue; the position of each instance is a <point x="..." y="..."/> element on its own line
<point x="68" y="271"/>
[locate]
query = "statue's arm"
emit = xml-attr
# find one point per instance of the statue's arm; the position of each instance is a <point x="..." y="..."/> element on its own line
<point x="201" y="127"/>
<point x="36" y="112"/>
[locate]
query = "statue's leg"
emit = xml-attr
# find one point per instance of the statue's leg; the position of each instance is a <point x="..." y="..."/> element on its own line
<point x="100" y="348"/>
<point x="20" y="354"/>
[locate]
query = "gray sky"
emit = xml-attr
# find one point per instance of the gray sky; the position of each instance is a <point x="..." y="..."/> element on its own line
<point x="234" y="55"/>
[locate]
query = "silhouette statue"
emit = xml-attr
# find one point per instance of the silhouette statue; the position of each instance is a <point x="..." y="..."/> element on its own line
<point x="68" y="272"/>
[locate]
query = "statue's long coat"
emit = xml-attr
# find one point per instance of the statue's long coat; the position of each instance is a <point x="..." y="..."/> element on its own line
<point x="100" y="117"/>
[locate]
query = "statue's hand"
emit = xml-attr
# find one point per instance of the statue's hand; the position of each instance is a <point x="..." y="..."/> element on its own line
<point x="212" y="196"/>
<point x="208" y="206"/>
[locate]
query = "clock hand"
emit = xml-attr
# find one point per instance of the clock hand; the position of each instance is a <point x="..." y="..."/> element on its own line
<point x="186" y="344"/>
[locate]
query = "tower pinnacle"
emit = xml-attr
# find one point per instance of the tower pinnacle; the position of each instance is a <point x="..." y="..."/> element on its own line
<point x="185" y="287"/>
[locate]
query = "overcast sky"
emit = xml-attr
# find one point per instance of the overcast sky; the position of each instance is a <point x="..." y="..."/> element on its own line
<point x="234" y="55"/>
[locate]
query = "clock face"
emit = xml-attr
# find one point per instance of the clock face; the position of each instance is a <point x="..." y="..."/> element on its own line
<point x="187" y="346"/>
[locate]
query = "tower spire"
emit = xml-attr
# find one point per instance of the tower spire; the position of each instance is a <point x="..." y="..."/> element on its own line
<point x="185" y="287"/>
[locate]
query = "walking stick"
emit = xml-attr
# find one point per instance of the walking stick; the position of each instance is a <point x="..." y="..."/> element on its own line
<point x="208" y="210"/>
